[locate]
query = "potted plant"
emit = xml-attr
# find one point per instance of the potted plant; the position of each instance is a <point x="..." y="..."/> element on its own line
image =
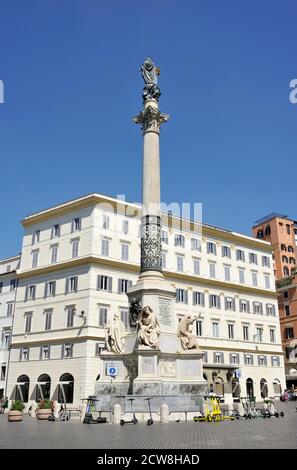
<point x="45" y="409"/>
<point x="15" y="413"/>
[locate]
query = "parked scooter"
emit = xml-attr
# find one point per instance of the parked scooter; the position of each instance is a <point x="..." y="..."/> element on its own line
<point x="150" y="420"/>
<point x="134" y="420"/>
<point x="88" y="418"/>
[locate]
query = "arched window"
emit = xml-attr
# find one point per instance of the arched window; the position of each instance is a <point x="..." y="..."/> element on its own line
<point x="292" y="260"/>
<point x="267" y="230"/>
<point x="286" y="271"/>
<point x="250" y="387"/>
<point x="235" y="388"/>
<point x="66" y="386"/>
<point x="284" y="259"/>
<point x="260" y="234"/>
<point x="22" y="388"/>
<point x="283" y="247"/>
<point x="43" y="387"/>
<point x="263" y="388"/>
<point x="277" y="387"/>
<point x="290" y="249"/>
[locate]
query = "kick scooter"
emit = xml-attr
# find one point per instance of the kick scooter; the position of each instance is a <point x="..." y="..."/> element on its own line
<point x="150" y="420"/>
<point x="134" y="420"/>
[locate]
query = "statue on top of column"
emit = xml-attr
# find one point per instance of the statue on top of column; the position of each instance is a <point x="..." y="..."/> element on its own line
<point x="150" y="75"/>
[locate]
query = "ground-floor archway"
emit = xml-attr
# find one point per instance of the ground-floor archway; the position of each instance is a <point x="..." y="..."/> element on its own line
<point x="277" y="388"/>
<point x="250" y="387"/>
<point x="22" y="388"/>
<point x="43" y="387"/>
<point x="66" y="388"/>
<point x="263" y="388"/>
<point x="235" y="388"/>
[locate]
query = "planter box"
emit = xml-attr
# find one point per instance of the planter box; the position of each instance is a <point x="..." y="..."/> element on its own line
<point x="15" y="416"/>
<point x="43" y="414"/>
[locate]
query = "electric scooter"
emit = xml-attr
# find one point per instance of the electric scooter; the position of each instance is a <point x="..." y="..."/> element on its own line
<point x="134" y="420"/>
<point x="150" y="420"/>
<point x="88" y="418"/>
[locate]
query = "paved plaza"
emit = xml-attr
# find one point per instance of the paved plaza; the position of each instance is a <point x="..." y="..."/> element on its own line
<point x="279" y="433"/>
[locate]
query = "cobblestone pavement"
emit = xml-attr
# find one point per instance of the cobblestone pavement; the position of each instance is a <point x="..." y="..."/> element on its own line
<point x="279" y="433"/>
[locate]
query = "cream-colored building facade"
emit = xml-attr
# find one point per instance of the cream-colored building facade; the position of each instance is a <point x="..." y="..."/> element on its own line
<point x="78" y="260"/>
<point x="8" y="289"/>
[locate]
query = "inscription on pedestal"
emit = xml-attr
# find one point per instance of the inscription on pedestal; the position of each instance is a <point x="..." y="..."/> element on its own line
<point x="148" y="366"/>
<point x="165" y="312"/>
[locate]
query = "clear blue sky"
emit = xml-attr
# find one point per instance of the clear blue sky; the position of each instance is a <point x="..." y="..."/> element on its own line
<point x="70" y="70"/>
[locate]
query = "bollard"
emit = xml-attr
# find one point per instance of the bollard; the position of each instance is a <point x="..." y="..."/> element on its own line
<point x="33" y="410"/>
<point x="57" y="407"/>
<point x="164" y="413"/>
<point x="117" y="413"/>
<point x="230" y="409"/>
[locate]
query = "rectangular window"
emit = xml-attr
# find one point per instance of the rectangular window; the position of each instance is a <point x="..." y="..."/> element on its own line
<point x="218" y="358"/>
<point x="123" y="286"/>
<point x="286" y="294"/>
<point x="244" y="306"/>
<point x="24" y="354"/>
<point x="5" y="340"/>
<point x="267" y="281"/>
<point x="48" y="320"/>
<point x="254" y="278"/>
<point x="180" y="263"/>
<point x="227" y="273"/>
<point x="181" y="296"/>
<point x="13" y="284"/>
<point x="67" y="350"/>
<point x="164" y="259"/>
<point x="196" y="266"/>
<point x="195" y="244"/>
<point x="215" y="329"/>
<point x="211" y="248"/>
<point x="9" y="308"/>
<point x="75" y="224"/>
<point x="45" y="352"/>
<point x="270" y="310"/>
<point x="54" y="253"/>
<point x="198" y="298"/>
<point x="234" y="358"/>
<point x="105" y="247"/>
<point x="226" y="251"/>
<point x="275" y="362"/>
<point x="241" y="276"/>
<point x="103" y="312"/>
<point x="71" y="284"/>
<point x="104" y="283"/>
<point x="272" y="335"/>
<point x="287" y="310"/>
<point x="179" y="240"/>
<point x="28" y="322"/>
<point x="229" y="303"/>
<point x="35" y="237"/>
<point x="265" y="261"/>
<point x="125" y="251"/>
<point x="240" y="255"/>
<point x="70" y="311"/>
<point x="248" y="360"/>
<point x="258" y="308"/>
<point x="55" y="231"/>
<point x="105" y="221"/>
<point x="289" y="332"/>
<point x="199" y="331"/>
<point x="253" y="258"/>
<point x="50" y="289"/>
<point x="246" y="334"/>
<point x="262" y="360"/>
<point x="75" y="248"/>
<point x="212" y="270"/>
<point x="230" y="330"/>
<point x="125" y="227"/>
<point x="214" y="301"/>
<point x="30" y="292"/>
<point x="124" y="314"/>
<point x="164" y="236"/>
<point x="259" y="334"/>
<point x="35" y="258"/>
